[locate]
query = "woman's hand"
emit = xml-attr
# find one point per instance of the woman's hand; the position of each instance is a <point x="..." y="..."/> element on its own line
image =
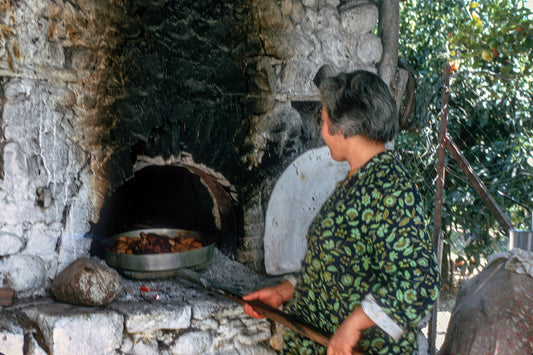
<point x="348" y="334"/>
<point x="272" y="296"/>
<point x="343" y="341"/>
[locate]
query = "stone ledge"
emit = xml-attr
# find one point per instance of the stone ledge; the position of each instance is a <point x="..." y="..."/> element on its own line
<point x="161" y="316"/>
<point x="129" y="327"/>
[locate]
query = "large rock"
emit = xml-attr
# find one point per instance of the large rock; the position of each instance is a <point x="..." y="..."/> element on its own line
<point x="493" y="314"/>
<point x="87" y="282"/>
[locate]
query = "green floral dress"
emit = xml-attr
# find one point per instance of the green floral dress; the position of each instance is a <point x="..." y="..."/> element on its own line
<point x="368" y="239"/>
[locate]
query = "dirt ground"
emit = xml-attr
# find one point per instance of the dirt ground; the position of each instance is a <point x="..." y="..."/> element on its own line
<point x="447" y="298"/>
<point x="446" y="303"/>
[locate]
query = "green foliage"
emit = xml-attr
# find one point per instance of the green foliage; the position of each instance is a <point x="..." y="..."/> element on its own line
<point x="494" y="35"/>
<point x="490" y="47"/>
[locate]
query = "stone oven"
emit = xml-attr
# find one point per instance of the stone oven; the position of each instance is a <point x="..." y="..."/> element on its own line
<point x="205" y="101"/>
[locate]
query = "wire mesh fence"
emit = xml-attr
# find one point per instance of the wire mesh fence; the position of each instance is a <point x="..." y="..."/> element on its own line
<point x="490" y="122"/>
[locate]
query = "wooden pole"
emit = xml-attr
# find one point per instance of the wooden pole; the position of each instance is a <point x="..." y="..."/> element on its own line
<point x="437" y="224"/>
<point x="474" y="179"/>
<point x="261" y="308"/>
<point x="280" y="317"/>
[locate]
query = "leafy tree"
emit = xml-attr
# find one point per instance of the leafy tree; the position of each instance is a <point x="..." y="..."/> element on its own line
<point x="489" y="45"/>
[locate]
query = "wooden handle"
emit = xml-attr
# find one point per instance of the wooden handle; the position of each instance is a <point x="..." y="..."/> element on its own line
<point x="286" y="320"/>
<point x="261" y="308"/>
<point x="280" y="317"/>
<point x="283" y="318"/>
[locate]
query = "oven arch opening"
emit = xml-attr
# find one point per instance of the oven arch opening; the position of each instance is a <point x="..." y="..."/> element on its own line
<point x="168" y="196"/>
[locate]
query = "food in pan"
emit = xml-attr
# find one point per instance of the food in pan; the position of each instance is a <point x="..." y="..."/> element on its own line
<point x="152" y="243"/>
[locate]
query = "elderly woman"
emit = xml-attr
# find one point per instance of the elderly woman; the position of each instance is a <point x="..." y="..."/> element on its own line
<point x="370" y="274"/>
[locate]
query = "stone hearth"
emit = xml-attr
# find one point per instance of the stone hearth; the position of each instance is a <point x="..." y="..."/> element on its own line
<point x="175" y="316"/>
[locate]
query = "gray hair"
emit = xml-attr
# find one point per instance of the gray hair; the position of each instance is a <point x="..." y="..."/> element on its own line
<point x="360" y="103"/>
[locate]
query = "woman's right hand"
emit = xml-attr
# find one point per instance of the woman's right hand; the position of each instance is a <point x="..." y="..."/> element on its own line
<point x="273" y="296"/>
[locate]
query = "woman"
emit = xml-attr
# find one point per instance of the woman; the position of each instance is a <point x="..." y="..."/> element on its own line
<point x="369" y="274"/>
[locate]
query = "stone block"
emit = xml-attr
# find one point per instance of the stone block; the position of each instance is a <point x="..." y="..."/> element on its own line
<point x="144" y="345"/>
<point x="193" y="343"/>
<point x="253" y="338"/>
<point x="249" y="350"/>
<point x="42" y="240"/>
<point x="262" y="78"/>
<point x="315" y="22"/>
<point x="269" y="14"/>
<point x="259" y="104"/>
<point x="310" y="3"/>
<point x="70" y="330"/>
<point x="10" y="243"/>
<point x="288" y="44"/>
<point x="370" y="49"/>
<point x="24" y="273"/>
<point x="360" y="19"/>
<point x="301" y="71"/>
<point x="146" y="318"/>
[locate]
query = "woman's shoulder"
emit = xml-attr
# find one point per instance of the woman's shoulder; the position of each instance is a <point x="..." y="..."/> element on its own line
<point x="383" y="175"/>
<point x="388" y="167"/>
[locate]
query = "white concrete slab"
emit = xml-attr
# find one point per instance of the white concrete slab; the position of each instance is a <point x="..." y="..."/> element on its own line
<point x="297" y="197"/>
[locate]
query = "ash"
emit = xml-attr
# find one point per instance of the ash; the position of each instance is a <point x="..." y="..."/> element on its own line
<point x="184" y="285"/>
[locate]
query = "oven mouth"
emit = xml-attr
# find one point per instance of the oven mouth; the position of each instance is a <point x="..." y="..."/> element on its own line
<point x="167" y="199"/>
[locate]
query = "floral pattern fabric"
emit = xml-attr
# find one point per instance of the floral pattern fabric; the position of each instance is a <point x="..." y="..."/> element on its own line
<point x="369" y="238"/>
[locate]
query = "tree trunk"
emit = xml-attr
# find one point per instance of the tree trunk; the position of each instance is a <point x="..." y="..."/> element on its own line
<point x="388" y="31"/>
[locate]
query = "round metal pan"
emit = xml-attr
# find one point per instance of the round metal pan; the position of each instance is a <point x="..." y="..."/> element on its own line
<point x="163" y="261"/>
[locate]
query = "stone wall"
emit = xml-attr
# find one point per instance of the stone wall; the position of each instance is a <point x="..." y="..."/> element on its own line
<point x="89" y="86"/>
<point x="287" y="42"/>
<point x="54" y="63"/>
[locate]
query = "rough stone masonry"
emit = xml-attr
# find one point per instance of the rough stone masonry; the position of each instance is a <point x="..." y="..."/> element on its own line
<point x="89" y="86"/>
<point x="71" y="130"/>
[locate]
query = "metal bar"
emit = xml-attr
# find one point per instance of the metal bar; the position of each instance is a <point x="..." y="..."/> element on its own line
<point x="476" y="182"/>
<point x="437" y="224"/>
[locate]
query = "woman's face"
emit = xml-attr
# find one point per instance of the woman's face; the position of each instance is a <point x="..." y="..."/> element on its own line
<point x="333" y="141"/>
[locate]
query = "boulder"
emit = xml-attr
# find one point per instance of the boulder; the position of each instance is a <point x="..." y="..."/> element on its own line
<point x="493" y="313"/>
<point x="87" y="282"/>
